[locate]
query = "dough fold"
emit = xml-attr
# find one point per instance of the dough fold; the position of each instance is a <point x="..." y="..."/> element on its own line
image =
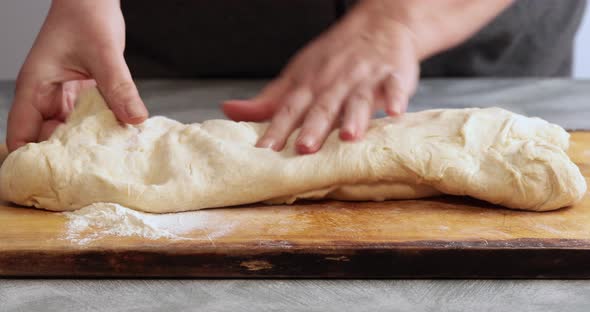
<point x="163" y="166"/>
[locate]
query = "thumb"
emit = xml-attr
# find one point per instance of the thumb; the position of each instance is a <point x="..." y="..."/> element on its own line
<point x="117" y="87"/>
<point x="259" y="108"/>
<point x="248" y="110"/>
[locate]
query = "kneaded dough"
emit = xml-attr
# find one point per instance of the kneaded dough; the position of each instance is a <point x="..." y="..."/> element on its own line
<point x="165" y="166"/>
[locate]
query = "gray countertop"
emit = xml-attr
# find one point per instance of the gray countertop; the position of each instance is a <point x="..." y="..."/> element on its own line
<point x="562" y="101"/>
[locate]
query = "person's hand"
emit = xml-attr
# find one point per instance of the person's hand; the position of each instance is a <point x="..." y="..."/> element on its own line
<point x="366" y="62"/>
<point x="80" y="44"/>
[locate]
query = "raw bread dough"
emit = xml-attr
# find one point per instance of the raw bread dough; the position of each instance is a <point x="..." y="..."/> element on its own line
<point x="165" y="166"/>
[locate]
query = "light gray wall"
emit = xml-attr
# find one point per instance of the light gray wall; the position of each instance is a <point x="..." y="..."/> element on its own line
<point x="582" y="54"/>
<point x="20" y="20"/>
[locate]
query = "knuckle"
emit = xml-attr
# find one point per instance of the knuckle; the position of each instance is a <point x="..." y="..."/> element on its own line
<point x="322" y="82"/>
<point x="324" y="108"/>
<point x="379" y="70"/>
<point x="328" y="73"/>
<point x="354" y="97"/>
<point x="121" y="92"/>
<point x="289" y="109"/>
<point x="296" y="101"/>
<point x="364" y="91"/>
<point x="277" y="130"/>
<point x="361" y="68"/>
<point x="393" y="89"/>
<point x="295" y="79"/>
<point x="387" y="69"/>
<point x="330" y="62"/>
<point x="395" y="79"/>
<point x="359" y="96"/>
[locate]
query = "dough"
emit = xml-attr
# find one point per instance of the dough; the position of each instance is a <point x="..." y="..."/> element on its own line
<point x="165" y="166"/>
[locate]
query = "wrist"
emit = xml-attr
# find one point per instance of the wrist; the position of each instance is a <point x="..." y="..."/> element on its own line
<point x="377" y="22"/>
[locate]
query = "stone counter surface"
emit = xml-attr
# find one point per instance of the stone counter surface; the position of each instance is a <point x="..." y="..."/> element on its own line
<point x="562" y="101"/>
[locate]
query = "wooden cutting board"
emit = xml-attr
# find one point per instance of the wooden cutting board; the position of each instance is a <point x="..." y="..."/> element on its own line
<point x="438" y="237"/>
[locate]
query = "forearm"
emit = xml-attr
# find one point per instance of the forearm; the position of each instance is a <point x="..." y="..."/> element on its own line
<point x="436" y="25"/>
<point x="92" y="5"/>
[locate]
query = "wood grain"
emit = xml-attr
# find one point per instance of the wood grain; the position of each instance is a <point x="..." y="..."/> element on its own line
<point x="437" y="237"/>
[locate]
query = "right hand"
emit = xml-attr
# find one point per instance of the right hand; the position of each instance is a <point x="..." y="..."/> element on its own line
<point x="81" y="44"/>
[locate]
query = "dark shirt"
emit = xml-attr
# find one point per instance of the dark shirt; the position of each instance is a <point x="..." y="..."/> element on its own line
<point x="256" y="38"/>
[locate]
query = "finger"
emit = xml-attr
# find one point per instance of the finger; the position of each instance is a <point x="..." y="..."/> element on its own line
<point x="116" y="85"/>
<point x="24" y="120"/>
<point x="287" y="118"/>
<point x="259" y="108"/>
<point x="47" y="129"/>
<point x="72" y="89"/>
<point x="320" y="120"/>
<point x="69" y="91"/>
<point x="356" y="115"/>
<point x="65" y="99"/>
<point x="396" y="97"/>
<point x="55" y="107"/>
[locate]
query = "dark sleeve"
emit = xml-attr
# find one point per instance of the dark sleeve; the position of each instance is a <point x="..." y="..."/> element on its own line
<point x="531" y="38"/>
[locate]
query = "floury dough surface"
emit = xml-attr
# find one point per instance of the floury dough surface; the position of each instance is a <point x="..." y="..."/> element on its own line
<point x="165" y="166"/>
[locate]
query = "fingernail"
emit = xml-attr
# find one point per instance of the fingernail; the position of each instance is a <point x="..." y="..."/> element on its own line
<point x="396" y="108"/>
<point x="348" y="134"/>
<point x="306" y="141"/>
<point x="306" y="145"/>
<point x="135" y="111"/>
<point x="393" y="110"/>
<point x="266" y="143"/>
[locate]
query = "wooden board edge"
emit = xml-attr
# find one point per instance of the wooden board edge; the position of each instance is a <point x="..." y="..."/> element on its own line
<point x="371" y="263"/>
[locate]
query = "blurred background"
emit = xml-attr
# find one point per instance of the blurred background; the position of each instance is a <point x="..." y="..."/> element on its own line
<point x="20" y="20"/>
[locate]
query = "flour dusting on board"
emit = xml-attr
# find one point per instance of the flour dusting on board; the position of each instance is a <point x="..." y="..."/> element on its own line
<point x="107" y="219"/>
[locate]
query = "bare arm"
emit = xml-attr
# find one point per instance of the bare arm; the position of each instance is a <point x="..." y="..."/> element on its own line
<point x="437" y="25"/>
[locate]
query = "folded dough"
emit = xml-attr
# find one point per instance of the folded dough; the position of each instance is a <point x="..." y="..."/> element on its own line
<point x="165" y="166"/>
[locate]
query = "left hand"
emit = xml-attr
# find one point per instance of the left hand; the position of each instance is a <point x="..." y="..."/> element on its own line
<point x="367" y="61"/>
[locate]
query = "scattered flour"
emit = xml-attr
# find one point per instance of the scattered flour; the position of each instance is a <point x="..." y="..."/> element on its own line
<point x="107" y="219"/>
